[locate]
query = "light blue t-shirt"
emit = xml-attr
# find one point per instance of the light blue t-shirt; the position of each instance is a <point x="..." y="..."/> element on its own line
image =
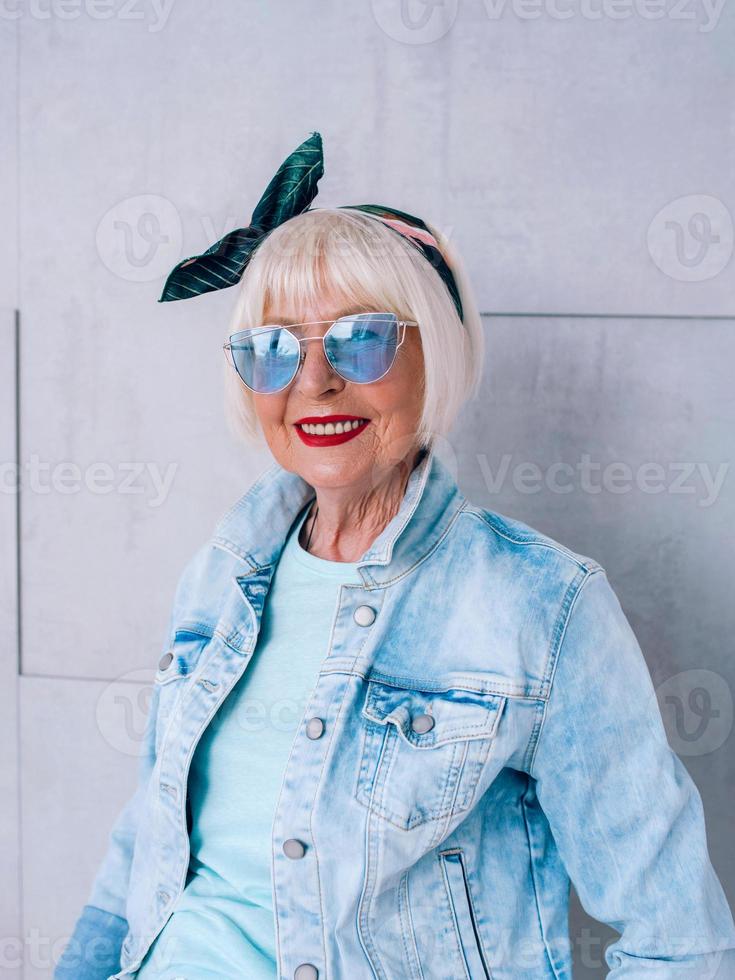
<point x="223" y="925"/>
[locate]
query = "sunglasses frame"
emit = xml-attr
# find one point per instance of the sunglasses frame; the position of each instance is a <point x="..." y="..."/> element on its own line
<point x="227" y="347"/>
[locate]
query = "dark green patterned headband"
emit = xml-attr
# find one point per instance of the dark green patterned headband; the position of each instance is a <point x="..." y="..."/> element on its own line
<point x="289" y="193"/>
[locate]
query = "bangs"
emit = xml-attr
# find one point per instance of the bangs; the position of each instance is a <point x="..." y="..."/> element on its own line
<point x="346" y="256"/>
<point x="344" y="259"/>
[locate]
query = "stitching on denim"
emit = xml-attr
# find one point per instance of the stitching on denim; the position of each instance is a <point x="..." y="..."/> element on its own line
<point x="224" y="544"/>
<point x="451" y="806"/>
<point x="325" y="758"/>
<point x="473" y="913"/>
<point x="450" y="731"/>
<point x="244" y="651"/>
<point x="452" y="781"/>
<point x="533" y="738"/>
<point x="527" y="823"/>
<point x="445" y="809"/>
<point x="484" y="750"/>
<point x="412" y="928"/>
<point x="421" y="558"/>
<point x="560" y="631"/>
<point x="232" y="549"/>
<point x="383" y="809"/>
<point x="363" y="906"/>
<point x="205" y="630"/>
<point x="183" y="865"/>
<point x="418" y="494"/>
<point x="452" y="909"/>
<point x="590" y="565"/>
<point x="468" y="683"/>
<point x="307" y="712"/>
<point x="560" y="626"/>
<point x="368" y="633"/>
<point x="405" y="929"/>
<point x="457" y="733"/>
<point x="469" y="898"/>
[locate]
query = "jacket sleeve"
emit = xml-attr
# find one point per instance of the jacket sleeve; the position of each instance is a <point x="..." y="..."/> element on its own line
<point x="626" y="816"/>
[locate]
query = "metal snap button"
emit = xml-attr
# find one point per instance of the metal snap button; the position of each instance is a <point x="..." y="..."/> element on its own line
<point x="293" y="849"/>
<point x="364" y="615"/>
<point x="314" y="728"/>
<point x="306" y="972"/>
<point x="165" y="660"/>
<point x="422" y="724"/>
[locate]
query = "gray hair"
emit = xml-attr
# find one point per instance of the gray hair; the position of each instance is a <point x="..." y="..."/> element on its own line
<point x="360" y="260"/>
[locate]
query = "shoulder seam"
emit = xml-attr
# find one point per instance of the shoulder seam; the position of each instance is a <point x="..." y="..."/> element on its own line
<point x="589" y="565"/>
<point x="560" y="632"/>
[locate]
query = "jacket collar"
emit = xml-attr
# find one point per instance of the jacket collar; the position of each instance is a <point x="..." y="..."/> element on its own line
<point x="256" y="527"/>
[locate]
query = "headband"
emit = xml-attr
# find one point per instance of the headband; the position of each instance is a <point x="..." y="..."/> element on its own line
<point x="290" y="193"/>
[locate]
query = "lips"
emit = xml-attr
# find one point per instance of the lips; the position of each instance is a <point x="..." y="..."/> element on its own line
<point x="323" y="419"/>
<point x="330" y="438"/>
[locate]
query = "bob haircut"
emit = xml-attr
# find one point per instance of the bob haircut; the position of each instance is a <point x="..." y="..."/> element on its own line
<point x="354" y="258"/>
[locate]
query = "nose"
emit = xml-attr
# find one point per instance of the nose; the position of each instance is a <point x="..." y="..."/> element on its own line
<point x="316" y="374"/>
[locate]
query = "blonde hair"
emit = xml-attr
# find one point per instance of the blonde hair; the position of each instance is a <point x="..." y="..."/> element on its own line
<point x="359" y="260"/>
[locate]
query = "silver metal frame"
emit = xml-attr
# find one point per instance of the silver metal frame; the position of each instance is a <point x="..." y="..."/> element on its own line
<point x="402" y="324"/>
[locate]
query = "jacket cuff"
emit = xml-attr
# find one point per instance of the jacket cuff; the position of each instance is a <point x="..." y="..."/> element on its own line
<point x="93" y="950"/>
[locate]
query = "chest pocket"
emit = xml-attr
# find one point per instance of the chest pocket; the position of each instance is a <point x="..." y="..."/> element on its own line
<point x="423" y="752"/>
<point x="174" y="669"/>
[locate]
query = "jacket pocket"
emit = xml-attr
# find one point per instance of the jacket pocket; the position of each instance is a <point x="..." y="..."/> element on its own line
<point x="423" y="752"/>
<point x="463" y="912"/>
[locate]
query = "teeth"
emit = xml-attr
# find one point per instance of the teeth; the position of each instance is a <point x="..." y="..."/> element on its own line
<point x="331" y="428"/>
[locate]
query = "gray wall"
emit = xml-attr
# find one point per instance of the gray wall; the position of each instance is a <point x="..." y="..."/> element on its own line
<point x="581" y="155"/>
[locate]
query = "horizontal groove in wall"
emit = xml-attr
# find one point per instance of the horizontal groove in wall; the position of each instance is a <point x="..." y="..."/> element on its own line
<point x="78" y="677"/>
<point x="616" y="316"/>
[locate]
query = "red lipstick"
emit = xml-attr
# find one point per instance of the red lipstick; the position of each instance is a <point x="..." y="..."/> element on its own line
<point x="335" y="438"/>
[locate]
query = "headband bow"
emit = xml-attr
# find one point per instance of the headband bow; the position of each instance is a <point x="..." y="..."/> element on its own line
<point x="290" y="193"/>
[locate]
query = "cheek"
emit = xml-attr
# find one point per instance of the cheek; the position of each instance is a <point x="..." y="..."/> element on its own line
<point x="270" y="410"/>
<point x="407" y="383"/>
<point x="399" y="402"/>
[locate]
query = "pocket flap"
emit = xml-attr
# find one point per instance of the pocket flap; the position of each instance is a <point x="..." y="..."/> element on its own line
<point x="429" y="718"/>
<point x="185" y="651"/>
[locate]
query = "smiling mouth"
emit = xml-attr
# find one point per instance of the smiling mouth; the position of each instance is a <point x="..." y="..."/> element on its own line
<point x="331" y="428"/>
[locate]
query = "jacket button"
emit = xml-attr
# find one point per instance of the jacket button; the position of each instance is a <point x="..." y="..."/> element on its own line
<point x="364" y="615"/>
<point x="314" y="728"/>
<point x="306" y="972"/>
<point x="165" y="660"/>
<point x="293" y="849"/>
<point x="422" y="724"/>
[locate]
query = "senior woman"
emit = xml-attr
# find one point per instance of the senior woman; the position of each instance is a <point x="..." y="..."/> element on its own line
<point x="389" y="725"/>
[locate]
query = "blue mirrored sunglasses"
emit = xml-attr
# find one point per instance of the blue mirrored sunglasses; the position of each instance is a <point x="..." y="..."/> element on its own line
<point x="361" y="348"/>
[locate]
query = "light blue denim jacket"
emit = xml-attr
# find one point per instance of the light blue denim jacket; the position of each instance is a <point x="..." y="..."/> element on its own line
<point x="490" y="730"/>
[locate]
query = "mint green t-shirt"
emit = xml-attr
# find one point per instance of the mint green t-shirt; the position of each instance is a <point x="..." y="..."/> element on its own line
<point x="223" y="925"/>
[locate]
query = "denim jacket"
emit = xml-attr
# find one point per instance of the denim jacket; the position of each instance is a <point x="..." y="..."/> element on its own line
<point x="487" y="730"/>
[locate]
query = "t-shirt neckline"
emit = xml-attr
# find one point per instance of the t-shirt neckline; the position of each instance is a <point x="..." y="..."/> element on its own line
<point x="332" y="569"/>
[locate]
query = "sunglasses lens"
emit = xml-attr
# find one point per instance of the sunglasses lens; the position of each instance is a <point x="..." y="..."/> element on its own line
<point x="267" y="360"/>
<point x="362" y="347"/>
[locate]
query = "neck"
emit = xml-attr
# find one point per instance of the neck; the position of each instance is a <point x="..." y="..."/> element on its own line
<point x="348" y="523"/>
